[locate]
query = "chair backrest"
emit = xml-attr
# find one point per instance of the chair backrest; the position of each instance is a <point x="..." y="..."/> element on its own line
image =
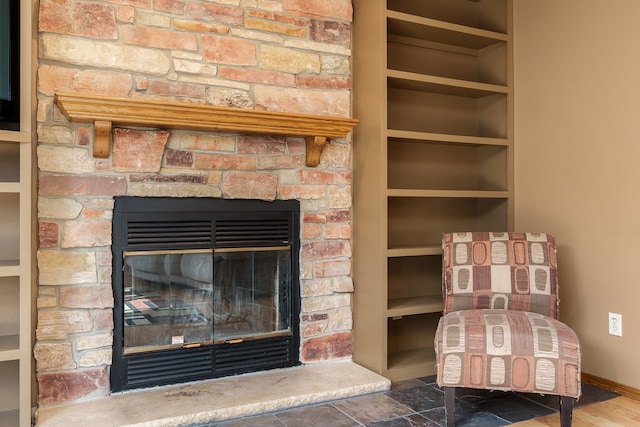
<point x="515" y="271"/>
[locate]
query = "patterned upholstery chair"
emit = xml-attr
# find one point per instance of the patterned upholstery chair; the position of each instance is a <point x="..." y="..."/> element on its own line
<point x="500" y="330"/>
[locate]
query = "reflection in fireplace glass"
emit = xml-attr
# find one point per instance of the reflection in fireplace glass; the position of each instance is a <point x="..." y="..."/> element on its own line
<point x="197" y="297"/>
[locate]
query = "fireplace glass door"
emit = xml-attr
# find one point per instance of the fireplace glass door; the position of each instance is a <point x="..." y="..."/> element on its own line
<point x="190" y="298"/>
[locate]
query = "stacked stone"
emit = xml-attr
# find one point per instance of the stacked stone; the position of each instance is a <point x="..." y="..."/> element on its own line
<point x="278" y="55"/>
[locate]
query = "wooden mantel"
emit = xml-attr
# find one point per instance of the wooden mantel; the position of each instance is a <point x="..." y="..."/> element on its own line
<point x="106" y="112"/>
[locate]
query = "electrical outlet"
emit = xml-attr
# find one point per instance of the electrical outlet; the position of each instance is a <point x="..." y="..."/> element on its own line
<point x="615" y="324"/>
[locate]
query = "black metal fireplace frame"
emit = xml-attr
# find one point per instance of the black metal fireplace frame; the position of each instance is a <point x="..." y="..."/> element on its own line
<point x="163" y="223"/>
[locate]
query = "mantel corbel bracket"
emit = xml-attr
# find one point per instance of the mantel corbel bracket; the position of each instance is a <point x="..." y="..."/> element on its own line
<point x="102" y="138"/>
<point x="106" y="112"/>
<point x="314" y="145"/>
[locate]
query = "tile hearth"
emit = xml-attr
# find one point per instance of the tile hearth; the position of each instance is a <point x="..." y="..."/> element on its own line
<point x="219" y="399"/>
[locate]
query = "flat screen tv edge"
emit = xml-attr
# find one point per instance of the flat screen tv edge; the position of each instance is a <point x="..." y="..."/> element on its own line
<point x="10" y="64"/>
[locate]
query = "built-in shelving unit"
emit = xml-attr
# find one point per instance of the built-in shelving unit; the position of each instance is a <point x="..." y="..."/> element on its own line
<point x="432" y="153"/>
<point x="15" y="251"/>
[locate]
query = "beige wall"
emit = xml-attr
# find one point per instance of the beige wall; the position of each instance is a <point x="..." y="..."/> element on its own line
<point x="577" y="163"/>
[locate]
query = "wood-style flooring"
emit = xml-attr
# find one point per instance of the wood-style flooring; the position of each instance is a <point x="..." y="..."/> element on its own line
<point x="617" y="412"/>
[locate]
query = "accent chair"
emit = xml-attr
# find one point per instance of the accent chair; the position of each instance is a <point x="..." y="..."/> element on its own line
<point x="500" y="328"/>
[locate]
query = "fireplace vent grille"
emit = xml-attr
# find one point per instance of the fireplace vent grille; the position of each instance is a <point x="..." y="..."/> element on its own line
<point x="251" y="356"/>
<point x="168" y="367"/>
<point x="233" y="233"/>
<point x="162" y="234"/>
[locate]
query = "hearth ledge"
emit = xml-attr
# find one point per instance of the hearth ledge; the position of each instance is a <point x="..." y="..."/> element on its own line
<point x="106" y="112"/>
<point x="219" y="399"/>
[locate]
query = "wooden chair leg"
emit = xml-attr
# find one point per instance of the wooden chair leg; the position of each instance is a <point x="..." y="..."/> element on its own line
<point x="450" y="406"/>
<point x="566" y="411"/>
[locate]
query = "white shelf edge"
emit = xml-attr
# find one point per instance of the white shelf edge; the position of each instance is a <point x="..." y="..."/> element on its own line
<point x="444" y="25"/>
<point x="14" y="136"/>
<point x="441" y="137"/>
<point x="464" y="194"/>
<point x="414" y="251"/>
<point x="10" y="187"/>
<point x="9" y="268"/>
<point x="446" y="81"/>
<point x="417" y="305"/>
<point x="9" y="348"/>
<point x="9" y="355"/>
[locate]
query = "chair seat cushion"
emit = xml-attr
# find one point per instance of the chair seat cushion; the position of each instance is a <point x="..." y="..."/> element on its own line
<point x="507" y="350"/>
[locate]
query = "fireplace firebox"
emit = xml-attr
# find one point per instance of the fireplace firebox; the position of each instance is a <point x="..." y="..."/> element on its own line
<point x="203" y="288"/>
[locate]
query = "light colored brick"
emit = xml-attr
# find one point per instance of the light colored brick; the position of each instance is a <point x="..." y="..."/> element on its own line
<point x="257" y="35"/>
<point x="90" y="342"/>
<point x="303" y="101"/>
<point x="321" y="303"/>
<point x="100" y="54"/>
<point x="58" y="324"/>
<point x="147" y="18"/>
<point x="97" y="82"/>
<point x="92" y="358"/>
<point x="65" y="268"/>
<point x="53" y="356"/>
<point x="275" y="27"/>
<point x="55" y="134"/>
<point x="333" y="268"/>
<point x="289" y="60"/>
<point x="200" y="27"/>
<point x="340" y="319"/>
<point x="65" y="160"/>
<point x="193" y="67"/>
<point x="202" y="142"/>
<point x="340" y="196"/>
<point x="60" y="208"/>
<point x="336" y="64"/>
<point x="86" y="297"/>
<point x="314" y="288"/>
<point x="226" y="97"/>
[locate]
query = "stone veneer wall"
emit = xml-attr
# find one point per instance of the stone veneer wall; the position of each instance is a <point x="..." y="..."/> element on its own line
<point x="281" y="55"/>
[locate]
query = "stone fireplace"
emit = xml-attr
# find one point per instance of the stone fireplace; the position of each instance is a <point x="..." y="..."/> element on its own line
<point x="204" y="288"/>
<point x="277" y="55"/>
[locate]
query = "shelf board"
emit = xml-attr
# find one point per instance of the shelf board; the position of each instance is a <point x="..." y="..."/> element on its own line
<point x="441" y="85"/>
<point x="9" y="347"/>
<point x="9" y="187"/>
<point x="14" y="136"/>
<point x="446" y="138"/>
<point x="106" y="112"/>
<point x="411" y="364"/>
<point x="414" y="251"/>
<point x="9" y="268"/>
<point x="417" y="27"/>
<point x="468" y="194"/>
<point x="416" y="305"/>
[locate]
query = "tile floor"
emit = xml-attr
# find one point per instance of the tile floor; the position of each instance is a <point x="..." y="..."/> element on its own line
<point x="417" y="403"/>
